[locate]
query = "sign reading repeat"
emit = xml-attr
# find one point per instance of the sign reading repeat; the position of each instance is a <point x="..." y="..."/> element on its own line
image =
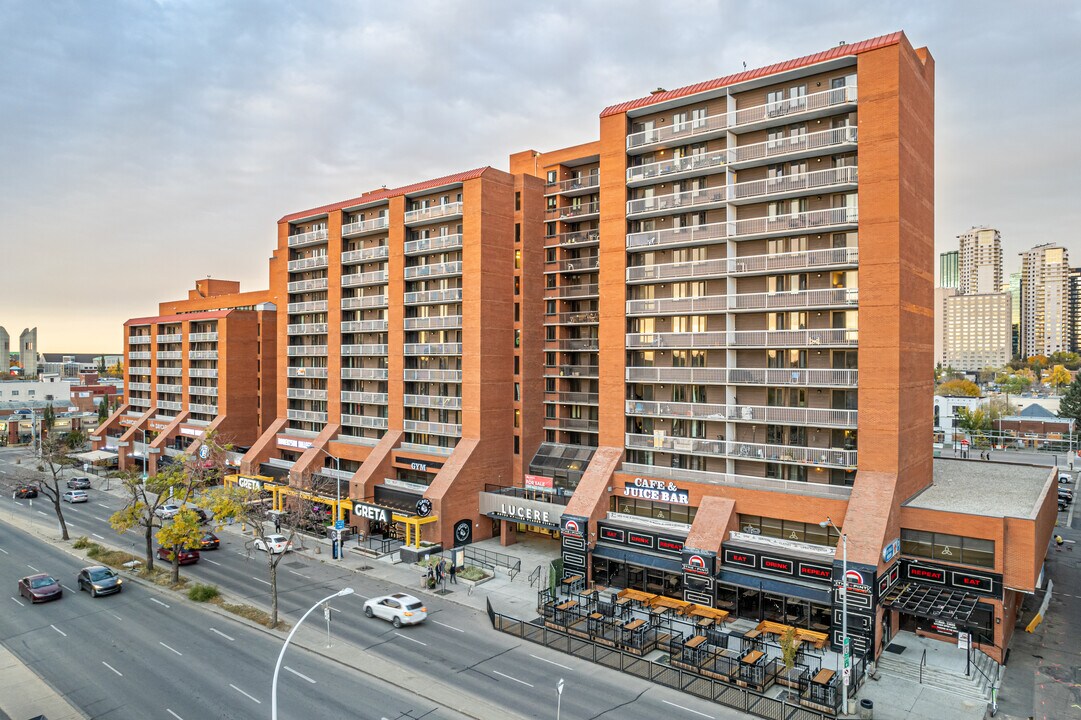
<point x="658" y="490"/>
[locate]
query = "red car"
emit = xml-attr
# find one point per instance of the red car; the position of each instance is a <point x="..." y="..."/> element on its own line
<point x="40" y="588"/>
<point x="186" y="557"/>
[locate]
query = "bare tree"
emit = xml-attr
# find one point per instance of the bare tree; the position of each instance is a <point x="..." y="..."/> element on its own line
<point x="54" y="458"/>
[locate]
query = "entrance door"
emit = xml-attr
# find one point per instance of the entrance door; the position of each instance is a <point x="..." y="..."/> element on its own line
<point x="887" y="626"/>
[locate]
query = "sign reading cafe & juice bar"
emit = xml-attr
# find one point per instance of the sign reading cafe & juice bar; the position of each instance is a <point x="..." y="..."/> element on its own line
<point x="658" y="490"/>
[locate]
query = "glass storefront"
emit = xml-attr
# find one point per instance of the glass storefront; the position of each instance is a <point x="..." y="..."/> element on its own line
<point x="756" y="605"/>
<point x="618" y="574"/>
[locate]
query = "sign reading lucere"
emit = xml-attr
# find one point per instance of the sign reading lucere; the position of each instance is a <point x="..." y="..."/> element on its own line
<point x="657" y="490"/>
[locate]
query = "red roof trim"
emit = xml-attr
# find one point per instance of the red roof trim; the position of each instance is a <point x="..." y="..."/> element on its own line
<point x="832" y="53"/>
<point x="385" y="194"/>
<point x="159" y="319"/>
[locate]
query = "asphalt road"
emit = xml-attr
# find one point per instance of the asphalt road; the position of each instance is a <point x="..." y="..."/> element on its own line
<point x="457" y="645"/>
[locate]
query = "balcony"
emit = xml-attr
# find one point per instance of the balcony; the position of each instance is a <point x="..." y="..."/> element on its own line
<point x="202" y="354"/>
<point x="435" y="270"/>
<point x="707" y="477"/>
<point x="307" y="329"/>
<point x="171" y="389"/>
<point x="170" y="338"/>
<point x="575" y="212"/>
<point x="432" y="297"/>
<point x="700" y="129"/>
<point x="433" y="322"/>
<point x="446" y="211"/>
<point x="837" y="140"/>
<point x="139" y="355"/>
<point x="826" y="259"/>
<point x="203" y="337"/>
<point x="198" y="408"/>
<point x="808" y="107"/>
<point x="364" y="350"/>
<point x="572" y="398"/>
<point x="306" y="350"/>
<point x="710" y="339"/>
<point x="375" y="277"/>
<point x="701" y="199"/>
<point x="309" y="263"/>
<point x="696" y="375"/>
<point x="678" y="306"/>
<point x="697" y="411"/>
<point x="437" y="243"/>
<point x="677" y="237"/>
<point x="794" y="454"/>
<point x="677" y="271"/>
<point x="138" y="370"/>
<point x="364" y="398"/>
<point x="308" y="238"/>
<point x="363" y="373"/>
<point x="364" y="227"/>
<point x="315" y="285"/>
<point x="306" y="416"/>
<point x="582" y="371"/>
<point x="576" y="344"/>
<point x="578" y="238"/>
<point x="138" y="387"/>
<point x="425" y="375"/>
<point x="433" y="348"/>
<point x="583" y="185"/>
<point x="825" y="337"/>
<point x="312" y="306"/>
<point x="202" y="372"/>
<point x="364" y="326"/>
<point x="810" y="377"/>
<point x="363" y="255"/>
<point x="572" y="424"/>
<point x="305" y="394"/>
<point x="206" y="390"/>
<point x="819" y="221"/>
<point x="169" y="405"/>
<point x="438" y="450"/>
<point x="798" y="299"/>
<point x="440" y="402"/>
<point x="365" y="421"/>
<point x="364" y="302"/>
<point x="590" y="317"/>
<point x="774" y="415"/>
<point x="139" y="402"/>
<point x="589" y="263"/>
<point x="572" y="291"/>
<point x="138" y="340"/>
<point x="306" y="372"/>
<point x="819" y="182"/>
<point x="676" y="168"/>
<point x="168" y="372"/>
<point x="169" y="354"/>
<point x="432" y="428"/>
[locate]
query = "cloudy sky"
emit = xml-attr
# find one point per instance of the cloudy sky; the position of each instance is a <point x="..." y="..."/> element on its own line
<point x="147" y="144"/>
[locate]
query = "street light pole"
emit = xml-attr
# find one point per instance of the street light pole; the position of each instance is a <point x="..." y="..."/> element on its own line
<point x="277" y="665"/>
<point x="338" y="507"/>
<point x="844" y="609"/>
<point x="146" y="452"/>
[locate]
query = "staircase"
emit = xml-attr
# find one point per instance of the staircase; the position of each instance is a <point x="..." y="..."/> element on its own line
<point x="976" y="686"/>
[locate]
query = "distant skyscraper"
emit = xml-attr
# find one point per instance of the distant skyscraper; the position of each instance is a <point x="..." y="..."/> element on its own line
<point x="976" y="331"/>
<point x="28" y="352"/>
<point x="5" y="353"/>
<point x="1045" y="300"/>
<point x="1013" y="287"/>
<point x="947" y="269"/>
<point x="1075" y="309"/>
<point x="979" y="267"/>
<point x="941" y="296"/>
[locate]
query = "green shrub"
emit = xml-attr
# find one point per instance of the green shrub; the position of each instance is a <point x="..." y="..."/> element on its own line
<point x="203" y="593"/>
<point x="470" y="572"/>
<point x="94" y="550"/>
<point x="81" y="543"/>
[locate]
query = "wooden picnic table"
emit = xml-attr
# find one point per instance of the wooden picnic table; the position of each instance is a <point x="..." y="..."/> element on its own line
<point x="703" y="611"/>
<point x="567" y="605"/>
<point x="637" y="595"/>
<point x="596" y="616"/>
<point x="634" y="625"/>
<point x="695" y="642"/>
<point x="752" y="634"/>
<point x="706" y="622"/>
<point x="823" y="677"/>
<point x="752" y="657"/>
<point x="572" y="579"/>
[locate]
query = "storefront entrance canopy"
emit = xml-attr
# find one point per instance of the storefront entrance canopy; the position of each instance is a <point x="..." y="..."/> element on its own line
<point x="96" y="456"/>
<point x="932" y="603"/>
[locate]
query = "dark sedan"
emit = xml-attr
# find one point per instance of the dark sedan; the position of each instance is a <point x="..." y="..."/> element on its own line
<point x="185" y="556"/>
<point x="79" y="483"/>
<point x="100" y="580"/>
<point x="209" y="541"/>
<point x="26" y="491"/>
<point x="40" y="588"/>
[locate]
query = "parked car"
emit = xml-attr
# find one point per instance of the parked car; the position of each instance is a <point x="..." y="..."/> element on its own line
<point x="40" y="588"/>
<point x="100" y="580"/>
<point x="209" y="541"/>
<point x="1065" y="495"/>
<point x="274" y="544"/>
<point x="167" y="511"/>
<point x="399" y="608"/>
<point x="75" y="496"/>
<point x="1065" y="479"/>
<point x="79" y="483"/>
<point x="26" y="491"/>
<point x="201" y="514"/>
<point x="1063" y="505"/>
<point x="186" y="556"/>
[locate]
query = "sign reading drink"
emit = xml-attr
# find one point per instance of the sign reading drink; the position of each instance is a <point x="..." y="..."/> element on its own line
<point x="657" y="490"/>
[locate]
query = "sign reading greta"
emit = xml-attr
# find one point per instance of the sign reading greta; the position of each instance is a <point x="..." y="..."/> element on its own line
<point x="658" y="490"/>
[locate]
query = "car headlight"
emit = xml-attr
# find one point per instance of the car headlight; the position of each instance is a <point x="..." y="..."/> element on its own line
<point x="97" y="587"/>
<point x="119" y="581"/>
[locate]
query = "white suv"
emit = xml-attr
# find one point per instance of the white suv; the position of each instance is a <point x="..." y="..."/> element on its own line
<point x="167" y="511"/>
<point x="274" y="544"/>
<point x="399" y="608"/>
<point x="76" y="496"/>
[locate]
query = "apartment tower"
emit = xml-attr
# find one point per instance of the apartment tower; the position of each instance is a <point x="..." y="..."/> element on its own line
<point x="948" y="270"/>
<point x="1045" y="300"/>
<point x="979" y="267"/>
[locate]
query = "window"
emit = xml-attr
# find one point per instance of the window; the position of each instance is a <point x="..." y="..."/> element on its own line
<point x="517" y="232"/>
<point x="517" y="259"/>
<point x="517" y="365"/>
<point x="948" y="548"/>
<point x="517" y="418"/>
<point x="517" y="393"/>
<point x="651" y="509"/>
<point x="552" y="177"/>
<point x="517" y="201"/>
<point x="517" y="338"/>
<point x="517" y="445"/>
<point x="517" y="312"/>
<point x="517" y="285"/>
<point x="811" y="533"/>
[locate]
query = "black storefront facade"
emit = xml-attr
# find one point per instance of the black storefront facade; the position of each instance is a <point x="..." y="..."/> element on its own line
<point x="642" y="556"/>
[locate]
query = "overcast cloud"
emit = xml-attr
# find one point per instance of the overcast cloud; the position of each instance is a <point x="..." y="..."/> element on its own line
<point x="148" y="144"/>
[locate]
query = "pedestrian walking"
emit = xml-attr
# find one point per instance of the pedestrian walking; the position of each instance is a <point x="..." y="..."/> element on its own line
<point x="441" y="569"/>
<point x="453" y="574"/>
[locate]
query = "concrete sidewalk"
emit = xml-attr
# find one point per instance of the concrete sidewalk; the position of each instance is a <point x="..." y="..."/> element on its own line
<point x="23" y="694"/>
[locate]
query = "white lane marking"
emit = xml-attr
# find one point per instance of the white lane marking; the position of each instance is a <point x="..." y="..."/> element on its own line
<point x="451" y="627"/>
<point x="169" y="648"/>
<point x="550" y="662"/>
<point x="99" y="537"/>
<point x="258" y="580"/>
<point x="405" y="637"/>
<point x="100" y="519"/>
<point x="33" y="568"/>
<point x="66" y="588"/>
<point x="59" y="630"/>
<point x="71" y="509"/>
<point x="212" y="562"/>
<point x="100" y="505"/>
<point x="299" y="675"/>
<point x="112" y="668"/>
<point x="294" y="572"/>
<point x="20" y="503"/>
<point x="41" y="513"/>
<point x="173" y="714"/>
<point x="244" y="693"/>
<point x="687" y="709"/>
<point x="117" y="617"/>
<point x="159" y="602"/>
<point x="512" y="678"/>
<point x="19" y="601"/>
<point x="215" y="630"/>
<point x="4" y="551"/>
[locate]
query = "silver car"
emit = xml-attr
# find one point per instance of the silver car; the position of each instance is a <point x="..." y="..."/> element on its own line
<point x="399" y="608"/>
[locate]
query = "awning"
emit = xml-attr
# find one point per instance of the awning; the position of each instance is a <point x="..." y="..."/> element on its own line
<point x="772" y="585"/>
<point x="932" y="603"/>
<point x="674" y="565"/>
<point x="96" y="456"/>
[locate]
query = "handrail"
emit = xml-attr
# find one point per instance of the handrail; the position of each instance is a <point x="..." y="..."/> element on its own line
<point x="534" y="577"/>
<point x="513" y="571"/>
<point x="923" y="662"/>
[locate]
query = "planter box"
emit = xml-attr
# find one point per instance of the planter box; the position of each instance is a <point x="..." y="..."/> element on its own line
<point x="474" y="583"/>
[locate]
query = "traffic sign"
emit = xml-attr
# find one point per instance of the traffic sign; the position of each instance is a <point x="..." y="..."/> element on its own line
<point x="847" y="673"/>
<point x="339" y="524"/>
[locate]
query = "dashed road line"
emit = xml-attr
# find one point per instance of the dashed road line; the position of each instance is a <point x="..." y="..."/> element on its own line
<point x="173" y="714"/>
<point x="512" y="678"/>
<point x="117" y="617"/>
<point x="99" y="537"/>
<point x="42" y="513"/>
<point x="66" y="588"/>
<point x="298" y="674"/>
<point x="294" y="572"/>
<point x="551" y="662"/>
<point x="406" y="637"/>
<point x="265" y="582"/>
<point x="159" y="602"/>
<point x="219" y="632"/>
<point x="59" y="630"/>
<point x="4" y="551"/>
<point x="100" y="505"/>
<point x="169" y="648"/>
<point x="687" y="709"/>
<point x="19" y="601"/>
<point x="451" y="627"/>
<point x="112" y="668"/>
<point x="245" y="694"/>
<point x="33" y="568"/>
<point x="212" y="562"/>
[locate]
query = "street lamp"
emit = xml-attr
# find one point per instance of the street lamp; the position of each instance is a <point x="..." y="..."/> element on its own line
<point x="277" y="665"/>
<point x="146" y="452"/>
<point x="338" y="507"/>
<point x="844" y="608"/>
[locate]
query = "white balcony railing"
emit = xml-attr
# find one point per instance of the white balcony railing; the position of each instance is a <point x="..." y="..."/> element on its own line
<point x="365" y="421"/>
<point x="573" y="291"/>
<point x="169" y="354"/>
<point x="698" y="411"/>
<point x="364" y="302"/>
<point x="201" y="408"/>
<point x="375" y="277"/>
<point x="306" y="416"/>
<point x="202" y="354"/>
<point x="312" y="306"/>
<point x="707" y="477"/>
<point x="306" y="350"/>
<point x="437" y="243"/>
<point x="795" y="454"/>
<point x="820" y="181"/>
<point x="364" y="350"/>
<point x="582" y="183"/>
<point x="825" y="337"/>
<point x="203" y="337"/>
<point x="432" y="428"/>
<point x="680" y="270"/>
<point x="306" y="372"/>
<point x="678" y="202"/>
<point x="168" y="372"/>
<point x="205" y="390"/>
<point x="588" y="263"/>
<point x="687" y="165"/>
<point x="139" y="402"/>
<point x="365" y="226"/>
<point x="305" y="394"/>
<point x="308" y="238"/>
<point x="173" y="389"/>
<point x="808" y="142"/>
<point x="364" y="326"/>
<point x="169" y="405"/>
<point x="830" y="297"/>
<point x="364" y="398"/>
<point x="434" y="322"/>
<point x="426" y="449"/>
<point x="572" y="398"/>
<point x="169" y="338"/>
<point x="577" y="344"/>
<point x="435" y="212"/>
<point x="814" y="417"/>
<point x="443" y="402"/>
<point x="435" y="270"/>
<point x="826" y="377"/>
<point x="696" y="375"/>
<point x="139" y="370"/>
<point x="314" y="285"/>
<point x="687" y="235"/>
<point x="813" y="220"/>
<point x="309" y="263"/>
<point x="368" y="254"/>
<point x="589" y="317"/>
<point x="364" y="373"/>
<point x="578" y="238"/>
<point x="139" y="355"/>
<point x="433" y="348"/>
<point x="138" y="387"/>
<point x="799" y="260"/>
<point x="678" y="132"/>
<point x="567" y="423"/>
<point x="307" y="329"/>
<point x="570" y="212"/>
<point x="138" y="340"/>
<point x="430" y="297"/>
<point x="678" y="306"/>
<point x="426" y="375"/>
